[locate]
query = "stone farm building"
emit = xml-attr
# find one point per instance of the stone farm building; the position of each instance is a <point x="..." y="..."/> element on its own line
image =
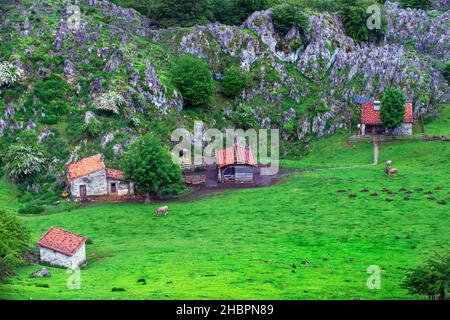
<point x="235" y="164"/>
<point x="371" y="123"/>
<point x="62" y="248"/>
<point x="90" y="177"/>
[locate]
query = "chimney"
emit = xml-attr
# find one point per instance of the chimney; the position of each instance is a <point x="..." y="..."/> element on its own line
<point x="376" y="105"/>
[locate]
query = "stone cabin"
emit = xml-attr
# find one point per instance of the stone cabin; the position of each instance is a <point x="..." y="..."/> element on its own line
<point x="89" y="177"/>
<point x="235" y="164"/>
<point x="371" y="123"/>
<point x="62" y="248"/>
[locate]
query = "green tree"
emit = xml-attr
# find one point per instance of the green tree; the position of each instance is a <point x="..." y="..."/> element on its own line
<point x="285" y="16"/>
<point x="185" y="13"/>
<point x="416" y="4"/>
<point x="149" y="165"/>
<point x="393" y="108"/>
<point x="13" y="242"/>
<point x="234" y="12"/>
<point x="354" y="16"/>
<point x="430" y="279"/>
<point x="23" y="161"/>
<point x="234" y="82"/>
<point x="194" y="80"/>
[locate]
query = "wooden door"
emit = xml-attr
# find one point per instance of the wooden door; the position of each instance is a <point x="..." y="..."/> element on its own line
<point x="83" y="192"/>
<point x="113" y="188"/>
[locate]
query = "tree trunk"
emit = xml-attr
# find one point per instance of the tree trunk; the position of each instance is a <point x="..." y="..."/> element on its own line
<point x="158" y="194"/>
<point x="442" y="294"/>
<point x="147" y="198"/>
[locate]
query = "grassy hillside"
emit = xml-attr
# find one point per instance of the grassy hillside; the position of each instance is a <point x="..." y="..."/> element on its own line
<point x="244" y="244"/>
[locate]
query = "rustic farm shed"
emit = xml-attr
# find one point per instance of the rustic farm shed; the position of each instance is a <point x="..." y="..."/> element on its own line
<point x="90" y="177"/>
<point x="62" y="248"/>
<point x="371" y="123"/>
<point x="235" y="164"/>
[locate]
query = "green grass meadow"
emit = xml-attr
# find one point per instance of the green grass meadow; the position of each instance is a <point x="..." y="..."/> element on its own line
<point x="253" y="243"/>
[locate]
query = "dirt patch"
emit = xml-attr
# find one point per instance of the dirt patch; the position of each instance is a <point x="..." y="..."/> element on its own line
<point x="210" y="186"/>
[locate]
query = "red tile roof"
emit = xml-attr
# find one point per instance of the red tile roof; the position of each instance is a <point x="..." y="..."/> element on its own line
<point x="372" y="117"/>
<point x="234" y="155"/>
<point x="85" y="166"/>
<point x="114" y="173"/>
<point x="62" y="241"/>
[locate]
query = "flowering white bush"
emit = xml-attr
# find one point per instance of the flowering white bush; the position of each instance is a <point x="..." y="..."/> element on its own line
<point x="22" y="162"/>
<point x="9" y="74"/>
<point x="110" y="101"/>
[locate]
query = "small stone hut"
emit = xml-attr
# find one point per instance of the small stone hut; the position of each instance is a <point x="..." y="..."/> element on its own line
<point x="90" y="177"/>
<point x="62" y="248"/>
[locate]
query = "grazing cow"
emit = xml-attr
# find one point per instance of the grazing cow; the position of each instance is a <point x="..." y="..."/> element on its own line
<point x="393" y="171"/>
<point x="162" y="211"/>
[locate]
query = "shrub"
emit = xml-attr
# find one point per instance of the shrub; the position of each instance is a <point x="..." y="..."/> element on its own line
<point x="32" y="209"/>
<point x="393" y="108"/>
<point x="109" y="102"/>
<point x="430" y="279"/>
<point x="234" y="12"/>
<point x="416" y="4"/>
<point x="446" y="71"/>
<point x="13" y="242"/>
<point x="168" y="13"/>
<point x="23" y="161"/>
<point x="9" y="74"/>
<point x="354" y="17"/>
<point x="92" y="127"/>
<point x="234" y="82"/>
<point x="244" y="117"/>
<point x="285" y="16"/>
<point x="194" y="80"/>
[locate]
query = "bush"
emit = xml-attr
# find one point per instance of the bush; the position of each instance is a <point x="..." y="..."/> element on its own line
<point x="416" y="4"/>
<point x="234" y="82"/>
<point x="169" y="13"/>
<point x="244" y="117"/>
<point x="9" y="74"/>
<point x="393" y="108"/>
<point x="286" y="16"/>
<point x="430" y="279"/>
<point x="446" y="71"/>
<point x="234" y="12"/>
<point x="13" y="242"/>
<point x="194" y="80"/>
<point x="354" y="17"/>
<point x="92" y="127"/>
<point x="32" y="209"/>
<point x="109" y="102"/>
<point x="23" y="161"/>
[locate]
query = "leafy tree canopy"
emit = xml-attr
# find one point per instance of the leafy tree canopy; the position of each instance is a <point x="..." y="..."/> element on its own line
<point x="13" y="242"/>
<point x="354" y="16"/>
<point x="234" y="82"/>
<point x="234" y="12"/>
<point x="430" y="279"/>
<point x="194" y="80"/>
<point x="393" y="108"/>
<point x="288" y="15"/>
<point x="149" y="165"/>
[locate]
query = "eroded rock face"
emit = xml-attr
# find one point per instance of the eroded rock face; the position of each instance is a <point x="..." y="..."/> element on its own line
<point x="425" y="31"/>
<point x="327" y="42"/>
